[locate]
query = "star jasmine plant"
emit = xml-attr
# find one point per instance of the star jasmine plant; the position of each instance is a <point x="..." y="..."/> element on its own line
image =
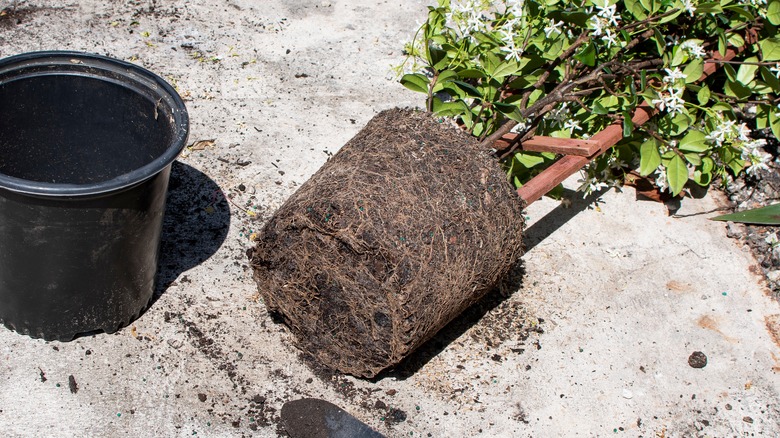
<point x="570" y="68"/>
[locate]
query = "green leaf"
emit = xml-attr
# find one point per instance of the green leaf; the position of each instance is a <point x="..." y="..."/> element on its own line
<point x="587" y="55"/>
<point x="446" y="76"/>
<point x="650" y="158"/>
<point x="415" y="82"/>
<point x="505" y="108"/>
<point x="636" y="9"/>
<point x="677" y="174"/>
<point x="703" y="95"/>
<point x="693" y="158"/>
<point x="709" y="8"/>
<point x="774" y="122"/>
<point x="468" y="88"/>
<point x="628" y="125"/>
<point x="676" y="125"/>
<point x="507" y="68"/>
<point x="773" y="12"/>
<point x="731" y="74"/>
<point x="660" y="41"/>
<point x="694" y="141"/>
<point x="471" y="73"/>
<point x="437" y="58"/>
<point x="770" y="49"/>
<point x="736" y="40"/>
<point x="528" y="159"/>
<point x="770" y="79"/>
<point x="449" y="109"/>
<point x="599" y="109"/>
<point x="671" y="17"/>
<point x="769" y="215"/>
<point x="740" y="10"/>
<point x="693" y="71"/>
<point x="747" y="72"/>
<point x="679" y="56"/>
<point x="737" y="90"/>
<point x="650" y="6"/>
<point x="707" y="165"/>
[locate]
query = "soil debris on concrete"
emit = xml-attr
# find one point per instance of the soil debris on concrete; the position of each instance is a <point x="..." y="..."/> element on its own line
<point x="607" y="298"/>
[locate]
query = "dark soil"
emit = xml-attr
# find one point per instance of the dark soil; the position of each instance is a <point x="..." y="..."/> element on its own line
<point x="748" y="192"/>
<point x="410" y="223"/>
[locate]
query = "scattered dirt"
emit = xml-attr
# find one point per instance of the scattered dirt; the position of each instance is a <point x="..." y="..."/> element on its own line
<point x="749" y="192"/>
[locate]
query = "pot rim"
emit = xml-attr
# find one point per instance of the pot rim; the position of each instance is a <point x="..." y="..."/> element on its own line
<point x="122" y="73"/>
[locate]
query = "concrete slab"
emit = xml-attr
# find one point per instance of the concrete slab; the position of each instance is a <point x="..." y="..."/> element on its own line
<point x="594" y="337"/>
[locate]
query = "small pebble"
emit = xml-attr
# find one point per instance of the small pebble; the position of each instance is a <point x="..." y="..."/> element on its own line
<point x="697" y="359"/>
<point x="628" y="394"/>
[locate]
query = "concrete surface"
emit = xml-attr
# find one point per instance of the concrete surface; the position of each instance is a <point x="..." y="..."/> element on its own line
<point x="612" y="298"/>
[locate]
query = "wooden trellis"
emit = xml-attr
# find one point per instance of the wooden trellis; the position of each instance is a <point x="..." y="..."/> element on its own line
<point x="577" y="153"/>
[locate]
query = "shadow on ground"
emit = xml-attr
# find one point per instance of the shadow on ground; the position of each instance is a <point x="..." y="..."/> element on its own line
<point x="559" y="216"/>
<point x="197" y="220"/>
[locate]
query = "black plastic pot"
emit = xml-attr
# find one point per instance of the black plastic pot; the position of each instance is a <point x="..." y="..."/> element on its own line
<point x="86" y="146"/>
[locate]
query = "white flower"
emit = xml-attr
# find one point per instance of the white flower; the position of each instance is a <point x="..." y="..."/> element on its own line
<point x="607" y="12"/>
<point x="559" y="115"/>
<point x="661" y="181"/>
<point x="596" y="25"/>
<point x="758" y="161"/>
<point x="609" y="38"/>
<point x="752" y="148"/>
<point x="772" y="240"/>
<point x="552" y="27"/>
<point x="590" y="184"/>
<point x="572" y="125"/>
<point x="689" y="6"/>
<point x="520" y="128"/>
<point x="670" y="101"/>
<point x="693" y="48"/>
<point x="743" y="132"/>
<point x="776" y="70"/>
<point x="512" y="51"/>
<point x="515" y="7"/>
<point x="673" y="75"/>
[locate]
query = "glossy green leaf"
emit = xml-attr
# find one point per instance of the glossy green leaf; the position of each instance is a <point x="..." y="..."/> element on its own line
<point x="694" y="141"/>
<point x="599" y="109"/>
<point x="736" y="89"/>
<point x="770" y="49"/>
<point x="703" y="96"/>
<point x="773" y="12"/>
<point x="747" y="72"/>
<point x="636" y="9"/>
<point x="449" y="109"/>
<point x="677" y="174"/>
<point x="505" y="69"/>
<point x="731" y="74"/>
<point x="774" y="122"/>
<point x="709" y="8"/>
<point x="468" y="88"/>
<point x="471" y="73"/>
<point x="740" y="10"/>
<point x="769" y="215"/>
<point x="587" y="55"/>
<point x="628" y="125"/>
<point x="650" y="157"/>
<point x="693" y="158"/>
<point x="415" y="82"/>
<point x="528" y="159"/>
<point x="693" y="71"/>
<point x="770" y="79"/>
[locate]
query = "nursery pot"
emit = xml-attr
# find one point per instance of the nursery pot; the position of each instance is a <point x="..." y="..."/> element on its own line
<point x="86" y="147"/>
